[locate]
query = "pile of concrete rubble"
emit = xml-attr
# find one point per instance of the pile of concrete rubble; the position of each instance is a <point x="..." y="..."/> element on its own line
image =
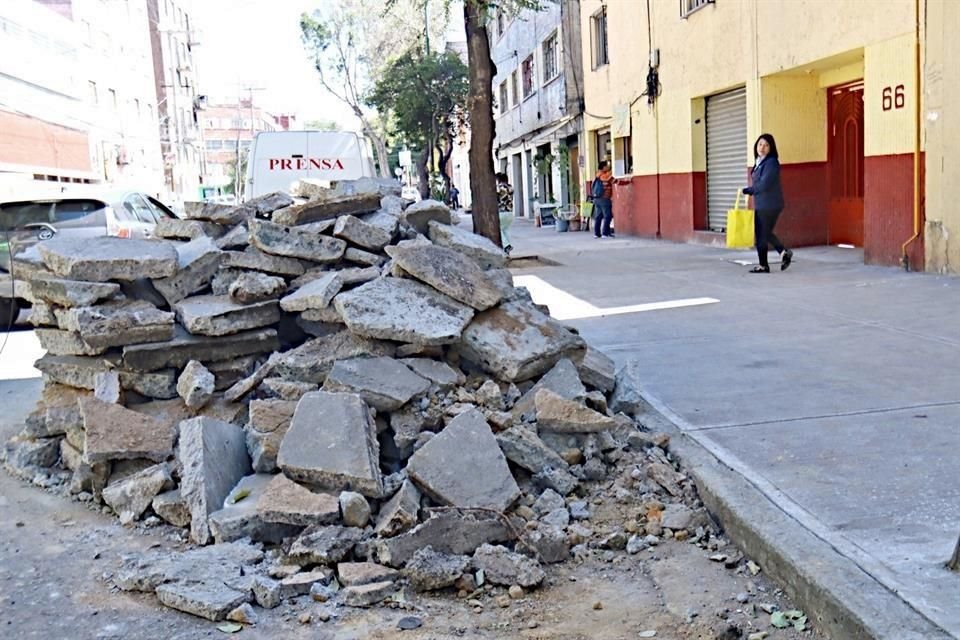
<point x="344" y="393"/>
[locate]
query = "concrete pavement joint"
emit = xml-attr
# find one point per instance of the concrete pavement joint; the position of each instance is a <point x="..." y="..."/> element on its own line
<point x="851" y="592"/>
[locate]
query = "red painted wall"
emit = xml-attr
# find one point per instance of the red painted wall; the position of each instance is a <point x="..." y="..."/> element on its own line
<point x="682" y="205"/>
<point x="805" y="220"/>
<point x="888" y="210"/>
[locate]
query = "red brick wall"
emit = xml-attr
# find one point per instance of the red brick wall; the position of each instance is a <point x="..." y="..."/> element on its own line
<point x="888" y="210"/>
<point x="35" y="143"/>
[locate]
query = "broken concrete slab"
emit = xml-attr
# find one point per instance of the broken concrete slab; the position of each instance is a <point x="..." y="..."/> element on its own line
<point x="449" y="272"/>
<point x="477" y="247"/>
<point x="286" y="502"/>
<point x="219" y="315"/>
<point x="463" y="466"/>
<point x="352" y="574"/>
<point x="327" y="207"/>
<point x="130" y="497"/>
<point x="176" y="229"/>
<point x="295" y="242"/>
<point x="559" y="415"/>
<point x="384" y="383"/>
<point x="313" y="360"/>
<point x="447" y="532"/>
<point x="227" y="373"/>
<point x="419" y="215"/>
<point x="354" y="509"/>
<point x="327" y="544"/>
<point x="368" y="594"/>
<point x="267" y="592"/>
<point x="72" y="293"/>
<point x="230" y="563"/>
<point x="81" y="371"/>
<point x="248" y="384"/>
<point x="429" y="570"/>
<point x="597" y="369"/>
<point x="240" y="516"/>
<point x="26" y="454"/>
<point x="184" y="347"/>
<point x="108" y="258"/>
<point x="56" y="412"/>
<point x="269" y="422"/>
<point x="172" y="507"/>
<point x="301" y="584"/>
<point x="237" y="238"/>
<point x="113" y="432"/>
<point x="516" y="341"/>
<point x="556" y="478"/>
<point x="214" y="458"/>
<point x="250" y="286"/>
<point x="197" y="262"/>
<point x="525" y="449"/>
<point x="563" y="379"/>
<point x="210" y="600"/>
<point x="361" y="233"/>
<point x="627" y="397"/>
<point x="439" y="373"/>
<point x="677" y="517"/>
<point x="400" y="513"/>
<point x="352" y="254"/>
<point x="65" y="343"/>
<point x="403" y="310"/>
<point x="327" y="315"/>
<point x="195" y="385"/>
<point x="222" y="214"/>
<point x="117" y="323"/>
<point x="107" y="387"/>
<point x="504" y="567"/>
<point x="316" y="294"/>
<point x="550" y="543"/>
<point x="385" y="220"/>
<point x="280" y="389"/>
<point x="332" y="443"/>
<point x="255" y="260"/>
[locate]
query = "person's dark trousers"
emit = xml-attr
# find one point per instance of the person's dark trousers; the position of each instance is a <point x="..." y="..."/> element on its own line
<point x="602" y="216"/>
<point x="763" y="223"/>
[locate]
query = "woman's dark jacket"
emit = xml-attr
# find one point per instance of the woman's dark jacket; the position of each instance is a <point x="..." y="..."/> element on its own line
<point x="766" y="190"/>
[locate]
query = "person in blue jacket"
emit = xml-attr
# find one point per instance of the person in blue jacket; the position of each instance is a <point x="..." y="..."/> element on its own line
<point x="767" y="202"/>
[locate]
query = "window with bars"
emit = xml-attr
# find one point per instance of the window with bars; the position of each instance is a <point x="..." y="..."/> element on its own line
<point x="689" y="6"/>
<point x="527" y="71"/>
<point x="598" y="35"/>
<point x="551" y="66"/>
<point x="503" y="98"/>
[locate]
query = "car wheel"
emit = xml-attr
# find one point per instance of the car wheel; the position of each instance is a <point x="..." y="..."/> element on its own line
<point x="9" y="310"/>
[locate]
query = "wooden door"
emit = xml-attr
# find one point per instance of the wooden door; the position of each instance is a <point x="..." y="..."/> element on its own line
<point x="846" y="164"/>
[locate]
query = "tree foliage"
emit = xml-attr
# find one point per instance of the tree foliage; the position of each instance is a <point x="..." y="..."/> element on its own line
<point x="425" y="96"/>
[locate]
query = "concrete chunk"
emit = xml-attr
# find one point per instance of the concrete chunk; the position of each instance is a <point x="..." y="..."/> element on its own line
<point x="327" y="207"/>
<point x="173" y="508"/>
<point x="403" y="310"/>
<point x="130" y="497"/>
<point x="255" y="260"/>
<point x="354" y="509"/>
<point x="280" y="389"/>
<point x="295" y="242"/>
<point x="219" y="315"/>
<point x="210" y="600"/>
<point x="287" y="502"/>
<point x="324" y="544"/>
<point x="429" y="570"/>
<point x="477" y="247"/>
<point x="515" y="342"/>
<point x="384" y="383"/>
<point x="368" y="594"/>
<point x="449" y="272"/>
<point x="504" y="567"/>
<point x="447" y="532"/>
<point x="419" y="215"/>
<point x="597" y="370"/>
<point x="196" y="385"/>
<point x="400" y="513"/>
<point x="463" y="466"/>
<point x="558" y="479"/>
<point x="214" y="459"/>
<point x="352" y="254"/>
<point x="108" y="258"/>
<point x="237" y="238"/>
<point x="563" y="379"/>
<point x="251" y="287"/>
<point x="439" y="373"/>
<point x="559" y="415"/>
<point x="269" y="422"/>
<point x="353" y="574"/>
<point x="72" y="293"/>
<point x="118" y="323"/>
<point x="115" y="433"/>
<point x="627" y="396"/>
<point x="175" y="229"/>
<point x="313" y="295"/>
<point x="185" y="347"/>
<point x="240" y="516"/>
<point x="525" y="449"/>
<point x="197" y="262"/>
<point x="313" y="360"/>
<point x="362" y="234"/>
<point x="332" y="443"/>
<point x="65" y="343"/>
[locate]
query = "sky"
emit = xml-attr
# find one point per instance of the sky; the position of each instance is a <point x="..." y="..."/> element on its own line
<point x="256" y="43"/>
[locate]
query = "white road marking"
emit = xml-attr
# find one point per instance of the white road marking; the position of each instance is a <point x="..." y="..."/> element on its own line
<point x="564" y="306"/>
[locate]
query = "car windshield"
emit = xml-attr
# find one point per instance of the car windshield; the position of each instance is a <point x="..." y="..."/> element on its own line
<point x="15" y="215"/>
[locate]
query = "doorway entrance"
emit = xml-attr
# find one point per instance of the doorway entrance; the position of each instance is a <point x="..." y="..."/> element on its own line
<point x="845" y="163"/>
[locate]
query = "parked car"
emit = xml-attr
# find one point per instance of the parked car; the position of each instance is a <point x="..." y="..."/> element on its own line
<point x="24" y="223"/>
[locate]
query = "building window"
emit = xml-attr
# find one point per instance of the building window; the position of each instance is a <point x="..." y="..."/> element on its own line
<point x="598" y="35"/>
<point x="514" y="89"/>
<point x="94" y="96"/>
<point x="551" y="67"/>
<point x="501" y="23"/>
<point x="503" y="98"/>
<point x="136" y="107"/>
<point x="113" y="97"/>
<point x="623" y="157"/>
<point x="528" y="76"/>
<point x="689" y="6"/>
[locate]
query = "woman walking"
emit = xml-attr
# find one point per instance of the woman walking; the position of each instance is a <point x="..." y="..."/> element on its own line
<point x="767" y="202"/>
<point x="505" y="210"/>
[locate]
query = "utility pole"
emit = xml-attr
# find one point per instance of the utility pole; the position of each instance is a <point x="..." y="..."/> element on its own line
<point x="238" y="177"/>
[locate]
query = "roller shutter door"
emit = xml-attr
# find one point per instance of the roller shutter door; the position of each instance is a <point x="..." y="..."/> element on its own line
<point x="726" y="146"/>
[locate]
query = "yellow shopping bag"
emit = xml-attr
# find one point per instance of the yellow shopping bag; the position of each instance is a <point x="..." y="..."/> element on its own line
<point x="739" y="226"/>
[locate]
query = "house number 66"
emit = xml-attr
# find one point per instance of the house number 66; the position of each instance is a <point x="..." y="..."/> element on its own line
<point x="893" y="97"/>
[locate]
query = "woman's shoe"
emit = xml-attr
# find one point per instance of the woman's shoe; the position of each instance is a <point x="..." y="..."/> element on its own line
<point x="759" y="269"/>
<point x="786" y="260"/>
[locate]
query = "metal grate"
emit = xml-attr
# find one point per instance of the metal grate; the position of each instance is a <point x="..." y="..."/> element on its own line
<point x="726" y="153"/>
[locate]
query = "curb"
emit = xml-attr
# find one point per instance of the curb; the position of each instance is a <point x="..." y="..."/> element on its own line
<point x="843" y="600"/>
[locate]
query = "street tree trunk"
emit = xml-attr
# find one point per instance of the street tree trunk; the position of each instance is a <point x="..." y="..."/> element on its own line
<point x="379" y="146"/>
<point x="445" y="150"/>
<point x="483" y="186"/>
<point x="423" y="174"/>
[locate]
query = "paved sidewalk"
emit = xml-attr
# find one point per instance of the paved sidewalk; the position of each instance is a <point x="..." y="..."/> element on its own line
<point x="833" y="388"/>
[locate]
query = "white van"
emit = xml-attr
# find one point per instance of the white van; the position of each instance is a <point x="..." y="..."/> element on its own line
<point x="279" y="158"/>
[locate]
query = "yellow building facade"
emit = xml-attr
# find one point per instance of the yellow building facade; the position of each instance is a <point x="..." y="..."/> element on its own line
<point x="677" y="91"/>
